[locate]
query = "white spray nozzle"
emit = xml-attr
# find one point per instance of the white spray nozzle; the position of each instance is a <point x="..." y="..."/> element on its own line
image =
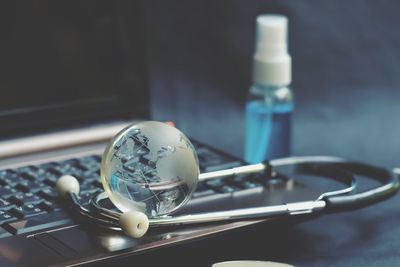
<point x="272" y="63"/>
<point x="271" y="36"/>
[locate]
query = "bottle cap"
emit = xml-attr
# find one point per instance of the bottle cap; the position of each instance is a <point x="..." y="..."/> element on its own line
<point x="272" y="63"/>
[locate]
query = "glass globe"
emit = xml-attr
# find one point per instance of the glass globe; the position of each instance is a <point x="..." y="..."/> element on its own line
<point x="149" y="167"/>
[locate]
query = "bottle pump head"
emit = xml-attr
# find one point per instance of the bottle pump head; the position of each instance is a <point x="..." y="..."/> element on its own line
<point x="272" y="63"/>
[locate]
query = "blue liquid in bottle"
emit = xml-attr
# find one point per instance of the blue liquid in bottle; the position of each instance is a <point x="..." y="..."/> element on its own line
<point x="268" y="130"/>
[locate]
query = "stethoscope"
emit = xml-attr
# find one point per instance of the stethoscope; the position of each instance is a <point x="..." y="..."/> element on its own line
<point x="135" y="223"/>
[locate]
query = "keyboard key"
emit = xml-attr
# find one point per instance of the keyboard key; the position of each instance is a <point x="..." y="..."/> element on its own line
<point x="208" y="158"/>
<point x="47" y="166"/>
<point x="81" y="167"/>
<point x="220" y="185"/>
<point x="9" y="177"/>
<point x="97" y="158"/>
<point x="22" y="187"/>
<point x="49" y="206"/>
<point x="55" y="171"/>
<point x="268" y="181"/>
<point x="96" y="183"/>
<point x="28" y="186"/>
<point x="206" y="154"/>
<point x="28" y="169"/>
<point x="73" y="163"/>
<point x="65" y="169"/>
<point x="37" y="223"/>
<point x="244" y="182"/>
<point x="29" y="172"/>
<point x="48" y="194"/>
<point x="28" y="176"/>
<point x="226" y="165"/>
<point x="25" y="211"/>
<point x="94" y="175"/>
<point x="16" y="212"/>
<point x="249" y="185"/>
<point x="6" y="191"/>
<point x="7" y="173"/>
<point x="5" y="217"/>
<point x="91" y="161"/>
<point x="15" y="200"/>
<point x="4" y="233"/>
<point x="203" y="193"/>
<point x="20" y="199"/>
<point x="90" y="184"/>
<point x="228" y="189"/>
<point x="50" y="181"/>
<point x="4" y="204"/>
<point x="215" y="184"/>
<point x="68" y="162"/>
<point x="201" y="186"/>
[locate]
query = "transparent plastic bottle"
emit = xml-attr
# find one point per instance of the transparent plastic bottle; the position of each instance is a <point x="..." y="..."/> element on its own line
<point x="270" y="102"/>
<point x="268" y="123"/>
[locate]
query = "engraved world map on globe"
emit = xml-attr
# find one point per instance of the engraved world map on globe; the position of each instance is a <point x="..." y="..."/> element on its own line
<point x="150" y="167"/>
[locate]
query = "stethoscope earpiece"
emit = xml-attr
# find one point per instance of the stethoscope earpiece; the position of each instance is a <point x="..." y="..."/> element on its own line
<point x="134" y="223"/>
<point x="67" y="184"/>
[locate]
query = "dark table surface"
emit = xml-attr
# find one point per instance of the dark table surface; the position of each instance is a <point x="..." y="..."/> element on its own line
<point x="346" y="81"/>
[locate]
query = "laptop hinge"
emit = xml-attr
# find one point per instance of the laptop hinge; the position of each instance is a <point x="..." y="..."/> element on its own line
<point x="62" y="139"/>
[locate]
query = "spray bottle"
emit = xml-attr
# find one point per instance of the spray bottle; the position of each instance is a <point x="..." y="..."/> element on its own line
<point x="270" y="101"/>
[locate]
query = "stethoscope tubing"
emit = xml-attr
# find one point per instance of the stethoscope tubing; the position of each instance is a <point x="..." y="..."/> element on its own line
<point x="334" y="201"/>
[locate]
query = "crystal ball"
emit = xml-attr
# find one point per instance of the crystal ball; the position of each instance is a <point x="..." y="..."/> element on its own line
<point x="150" y="167"/>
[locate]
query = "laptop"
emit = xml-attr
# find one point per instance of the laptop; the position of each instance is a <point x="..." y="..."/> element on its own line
<point x="74" y="73"/>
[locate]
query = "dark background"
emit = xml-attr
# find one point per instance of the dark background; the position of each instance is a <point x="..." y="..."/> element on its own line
<point x="346" y="79"/>
<point x="346" y="72"/>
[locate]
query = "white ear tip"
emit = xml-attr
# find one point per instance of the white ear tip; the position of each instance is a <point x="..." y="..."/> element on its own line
<point x="66" y="184"/>
<point x="134" y="223"/>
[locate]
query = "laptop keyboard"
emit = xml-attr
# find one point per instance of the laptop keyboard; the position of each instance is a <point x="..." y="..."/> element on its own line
<point x="29" y="202"/>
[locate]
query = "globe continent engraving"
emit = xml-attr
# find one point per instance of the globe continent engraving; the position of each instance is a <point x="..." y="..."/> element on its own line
<point x="150" y="167"/>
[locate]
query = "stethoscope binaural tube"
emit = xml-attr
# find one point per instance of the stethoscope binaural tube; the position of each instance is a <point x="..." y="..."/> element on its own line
<point x="342" y="202"/>
<point x="301" y="167"/>
<point x="135" y="223"/>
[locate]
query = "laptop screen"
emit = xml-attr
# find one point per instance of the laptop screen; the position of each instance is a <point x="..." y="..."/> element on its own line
<point x="65" y="63"/>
